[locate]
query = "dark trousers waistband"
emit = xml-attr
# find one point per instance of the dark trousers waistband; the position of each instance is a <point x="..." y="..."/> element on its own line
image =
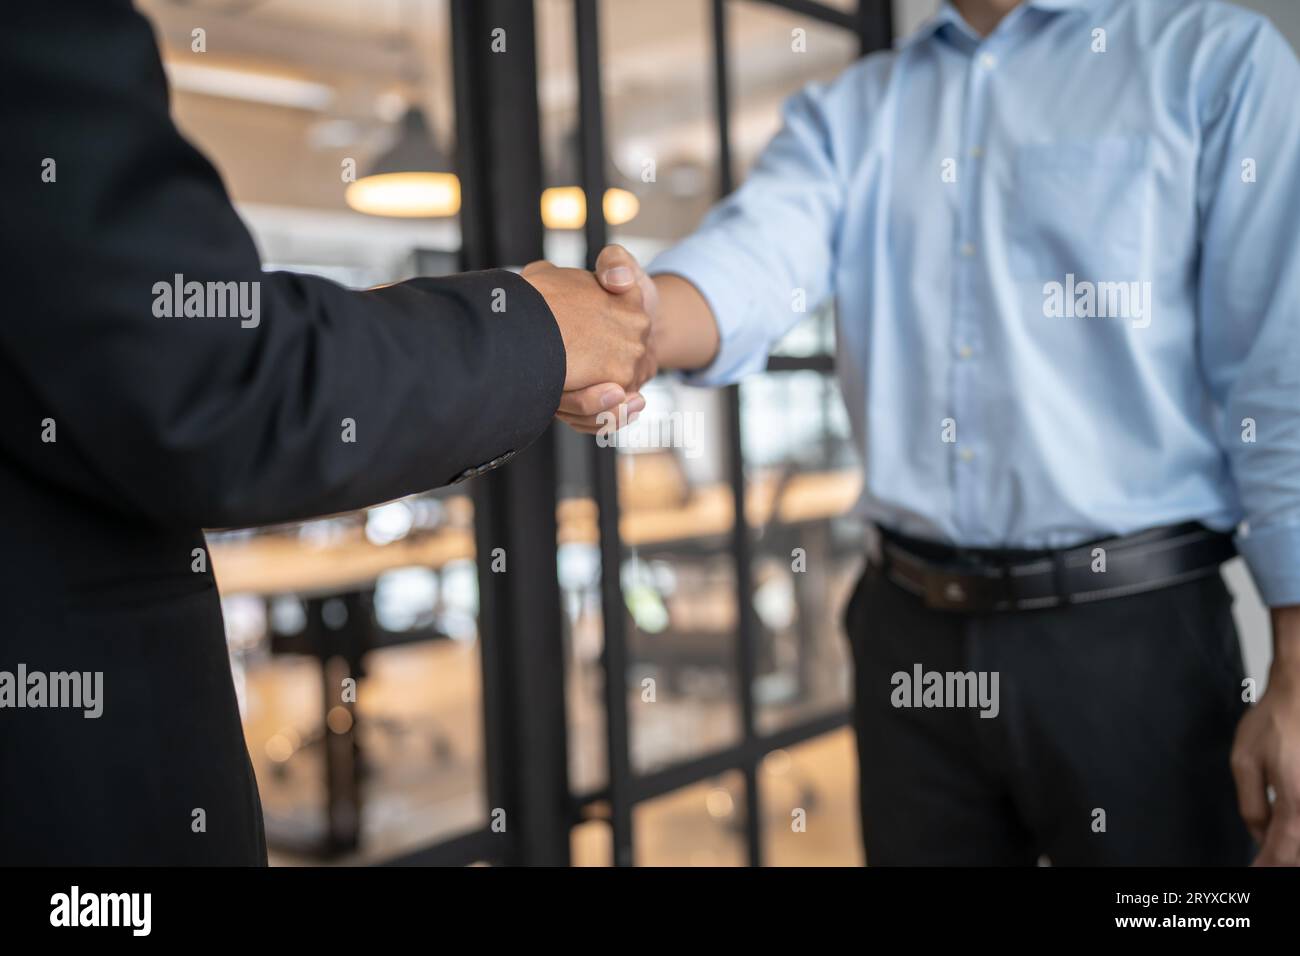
<point x="994" y="579"/>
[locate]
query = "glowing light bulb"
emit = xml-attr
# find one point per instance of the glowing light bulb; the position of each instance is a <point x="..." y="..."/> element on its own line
<point x="407" y="195"/>
<point x="565" y="207"/>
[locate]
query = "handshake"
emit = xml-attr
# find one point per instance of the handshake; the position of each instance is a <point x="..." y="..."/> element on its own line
<point x="607" y="322"/>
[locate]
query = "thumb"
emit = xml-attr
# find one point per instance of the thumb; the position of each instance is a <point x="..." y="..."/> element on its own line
<point x="617" y="269"/>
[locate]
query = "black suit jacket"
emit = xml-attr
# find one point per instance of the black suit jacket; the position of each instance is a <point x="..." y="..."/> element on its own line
<point x="163" y="426"/>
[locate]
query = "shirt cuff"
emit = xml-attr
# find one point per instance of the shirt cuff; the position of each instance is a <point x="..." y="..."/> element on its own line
<point x="743" y="342"/>
<point x="1273" y="555"/>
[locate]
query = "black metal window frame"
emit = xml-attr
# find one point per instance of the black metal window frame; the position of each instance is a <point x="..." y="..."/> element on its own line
<point x="525" y="735"/>
<point x="873" y="23"/>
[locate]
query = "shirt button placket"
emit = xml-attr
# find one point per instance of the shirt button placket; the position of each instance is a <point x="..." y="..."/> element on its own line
<point x="966" y="314"/>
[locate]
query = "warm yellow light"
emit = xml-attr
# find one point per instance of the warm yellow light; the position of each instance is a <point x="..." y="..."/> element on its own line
<point x="620" y="206"/>
<point x="565" y="207"/>
<point x="409" y="195"/>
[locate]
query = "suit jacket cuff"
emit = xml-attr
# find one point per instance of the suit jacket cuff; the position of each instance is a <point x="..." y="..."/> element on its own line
<point x="524" y="357"/>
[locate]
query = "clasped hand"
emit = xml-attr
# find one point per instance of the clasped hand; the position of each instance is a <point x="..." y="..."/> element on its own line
<point x="606" y="323"/>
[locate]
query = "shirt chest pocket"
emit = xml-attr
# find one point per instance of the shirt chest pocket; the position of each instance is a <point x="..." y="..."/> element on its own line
<point x="1080" y="207"/>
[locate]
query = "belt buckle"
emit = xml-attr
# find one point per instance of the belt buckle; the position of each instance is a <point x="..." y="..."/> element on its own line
<point x="948" y="592"/>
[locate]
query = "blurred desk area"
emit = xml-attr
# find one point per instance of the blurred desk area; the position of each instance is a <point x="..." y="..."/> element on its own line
<point x="387" y="600"/>
<point x="275" y="563"/>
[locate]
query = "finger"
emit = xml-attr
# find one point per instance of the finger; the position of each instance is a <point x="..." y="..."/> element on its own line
<point x="1282" y="842"/>
<point x="617" y="269"/>
<point x="614" y="417"/>
<point x="646" y="369"/>
<point x="609" y="420"/>
<point x="592" y="400"/>
<point x="597" y="425"/>
<point x="1252" y="794"/>
<point x="587" y="426"/>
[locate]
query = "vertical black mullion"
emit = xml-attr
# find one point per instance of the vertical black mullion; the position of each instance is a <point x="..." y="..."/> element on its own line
<point x="340" y="649"/>
<point x="875" y="24"/>
<point x="591" y="125"/>
<point x="604" y="461"/>
<point x="500" y="165"/>
<point x="471" y="147"/>
<point x="722" y="98"/>
<point x="741" y="546"/>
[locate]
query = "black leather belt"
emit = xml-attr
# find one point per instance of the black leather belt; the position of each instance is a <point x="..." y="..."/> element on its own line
<point x="972" y="579"/>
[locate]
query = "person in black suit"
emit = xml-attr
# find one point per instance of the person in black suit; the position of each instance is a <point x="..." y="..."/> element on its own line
<point x="154" y="382"/>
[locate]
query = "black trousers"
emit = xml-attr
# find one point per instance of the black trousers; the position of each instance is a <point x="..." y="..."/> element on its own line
<point x="1114" y="721"/>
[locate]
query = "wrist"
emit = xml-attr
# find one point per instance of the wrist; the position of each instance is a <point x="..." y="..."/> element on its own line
<point x="1286" y="638"/>
<point x="685" y="331"/>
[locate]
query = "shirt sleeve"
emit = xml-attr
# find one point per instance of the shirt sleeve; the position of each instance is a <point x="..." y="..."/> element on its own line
<point x="764" y="256"/>
<point x="1249" y="293"/>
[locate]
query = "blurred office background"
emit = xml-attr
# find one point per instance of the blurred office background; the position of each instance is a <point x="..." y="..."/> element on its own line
<point x="703" y="720"/>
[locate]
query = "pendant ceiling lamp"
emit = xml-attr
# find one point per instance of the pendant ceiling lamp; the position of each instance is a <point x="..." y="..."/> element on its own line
<point x="412" y="179"/>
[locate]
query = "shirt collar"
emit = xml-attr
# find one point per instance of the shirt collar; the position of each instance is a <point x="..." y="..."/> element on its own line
<point x="948" y="15"/>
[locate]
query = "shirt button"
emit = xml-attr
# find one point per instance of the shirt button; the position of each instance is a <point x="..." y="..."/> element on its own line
<point x="966" y="454"/>
<point x="976" y="152"/>
<point x="968" y="249"/>
<point x="965" y="352"/>
<point x="988" y="61"/>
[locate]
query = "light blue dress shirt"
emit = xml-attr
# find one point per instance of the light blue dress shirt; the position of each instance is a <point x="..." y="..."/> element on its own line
<point x="1066" y="270"/>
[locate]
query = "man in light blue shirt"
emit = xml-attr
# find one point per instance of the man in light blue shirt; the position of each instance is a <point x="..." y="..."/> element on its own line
<point x="1061" y="236"/>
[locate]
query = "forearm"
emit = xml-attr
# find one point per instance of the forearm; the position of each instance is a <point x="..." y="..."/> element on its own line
<point x="685" y="331"/>
<point x="1286" y="638"/>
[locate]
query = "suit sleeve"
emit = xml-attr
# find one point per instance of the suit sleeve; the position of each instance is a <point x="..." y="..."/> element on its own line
<point x="326" y="400"/>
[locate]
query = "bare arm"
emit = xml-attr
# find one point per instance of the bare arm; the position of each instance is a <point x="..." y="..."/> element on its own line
<point x="1265" y="755"/>
<point x="685" y="332"/>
